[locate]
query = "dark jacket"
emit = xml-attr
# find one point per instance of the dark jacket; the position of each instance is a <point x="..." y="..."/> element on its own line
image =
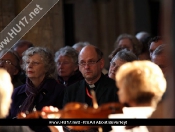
<point x="51" y="94"/>
<point x="106" y="91"/>
<point x="72" y="79"/>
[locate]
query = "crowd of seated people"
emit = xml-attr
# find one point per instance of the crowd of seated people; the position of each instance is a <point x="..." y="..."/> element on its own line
<point x="74" y="73"/>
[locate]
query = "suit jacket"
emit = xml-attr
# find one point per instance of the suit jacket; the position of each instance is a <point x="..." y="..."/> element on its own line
<point x="106" y="91"/>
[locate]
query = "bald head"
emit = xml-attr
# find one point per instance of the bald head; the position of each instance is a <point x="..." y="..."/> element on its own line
<point x="90" y="49"/>
<point x="91" y="63"/>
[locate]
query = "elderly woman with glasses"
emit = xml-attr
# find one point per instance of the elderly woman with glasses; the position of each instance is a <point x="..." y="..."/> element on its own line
<point x="67" y="66"/>
<point x="119" y="59"/>
<point x="41" y="89"/>
<point x="9" y="61"/>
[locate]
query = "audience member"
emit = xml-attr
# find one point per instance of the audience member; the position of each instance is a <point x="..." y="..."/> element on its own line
<point x="91" y="63"/>
<point x="160" y="57"/>
<point x="144" y="38"/>
<point x="129" y="42"/>
<point x="67" y="66"/>
<point x="21" y="46"/>
<point x="141" y="86"/>
<point x="78" y="46"/>
<point x="119" y="59"/>
<point x="41" y="89"/>
<point x="9" y="60"/>
<point x="154" y="43"/>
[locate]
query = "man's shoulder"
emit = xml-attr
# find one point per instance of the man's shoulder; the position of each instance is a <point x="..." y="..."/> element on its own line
<point x="107" y="80"/>
<point x="76" y="85"/>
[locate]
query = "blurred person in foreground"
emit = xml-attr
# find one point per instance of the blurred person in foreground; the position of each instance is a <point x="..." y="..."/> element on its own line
<point x="41" y="88"/>
<point x="141" y="86"/>
<point x="6" y="89"/>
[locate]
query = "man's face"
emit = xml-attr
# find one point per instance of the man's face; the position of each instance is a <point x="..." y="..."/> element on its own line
<point x="11" y="65"/>
<point x="153" y="46"/>
<point x="161" y="61"/>
<point x="90" y="65"/>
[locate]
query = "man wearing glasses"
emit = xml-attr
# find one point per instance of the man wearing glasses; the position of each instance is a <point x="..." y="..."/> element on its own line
<point x="91" y="63"/>
<point x="10" y="62"/>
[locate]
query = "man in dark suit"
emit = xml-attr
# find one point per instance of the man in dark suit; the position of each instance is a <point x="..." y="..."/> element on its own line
<point x="91" y="63"/>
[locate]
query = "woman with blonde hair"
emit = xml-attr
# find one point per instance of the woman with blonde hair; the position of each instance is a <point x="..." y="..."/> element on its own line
<point x="141" y="86"/>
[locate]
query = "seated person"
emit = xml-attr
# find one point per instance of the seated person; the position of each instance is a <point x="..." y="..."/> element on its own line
<point x="6" y="89"/>
<point x="41" y="88"/>
<point x="78" y="46"/>
<point x="144" y="38"/>
<point x="119" y="59"/>
<point x="67" y="66"/>
<point x="129" y="42"/>
<point x="9" y="60"/>
<point x="141" y="86"/>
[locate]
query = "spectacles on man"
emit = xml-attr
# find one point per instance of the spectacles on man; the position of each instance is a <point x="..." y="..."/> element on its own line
<point x="89" y="63"/>
<point x="6" y="62"/>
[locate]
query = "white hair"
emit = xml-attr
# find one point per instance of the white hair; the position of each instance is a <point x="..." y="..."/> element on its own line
<point x="6" y="89"/>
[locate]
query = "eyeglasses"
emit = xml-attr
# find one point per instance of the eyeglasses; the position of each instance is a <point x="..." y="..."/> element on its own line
<point x="6" y="62"/>
<point x="89" y="63"/>
<point x="32" y="63"/>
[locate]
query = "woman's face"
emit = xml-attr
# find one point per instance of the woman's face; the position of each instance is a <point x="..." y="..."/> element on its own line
<point x="66" y="67"/>
<point x="35" y="68"/>
<point x="125" y="43"/>
<point x="114" y="65"/>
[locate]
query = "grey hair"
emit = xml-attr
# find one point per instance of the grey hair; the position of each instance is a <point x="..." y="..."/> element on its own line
<point x="137" y="46"/>
<point x="46" y="56"/>
<point x="69" y="52"/>
<point x="125" y="55"/>
<point x="80" y="44"/>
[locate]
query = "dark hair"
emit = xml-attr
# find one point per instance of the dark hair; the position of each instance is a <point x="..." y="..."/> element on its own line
<point x="154" y="39"/>
<point x="22" y="43"/>
<point x="99" y="52"/>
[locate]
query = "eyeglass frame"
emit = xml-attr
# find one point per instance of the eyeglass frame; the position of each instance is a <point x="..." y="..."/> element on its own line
<point x="7" y="62"/>
<point x="89" y="63"/>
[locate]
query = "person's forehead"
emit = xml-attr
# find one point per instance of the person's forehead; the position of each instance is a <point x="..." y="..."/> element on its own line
<point x="155" y="44"/>
<point x="88" y="54"/>
<point x="8" y="55"/>
<point x="64" y="57"/>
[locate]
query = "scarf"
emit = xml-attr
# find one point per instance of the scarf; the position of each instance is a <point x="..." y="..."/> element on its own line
<point x="32" y="93"/>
